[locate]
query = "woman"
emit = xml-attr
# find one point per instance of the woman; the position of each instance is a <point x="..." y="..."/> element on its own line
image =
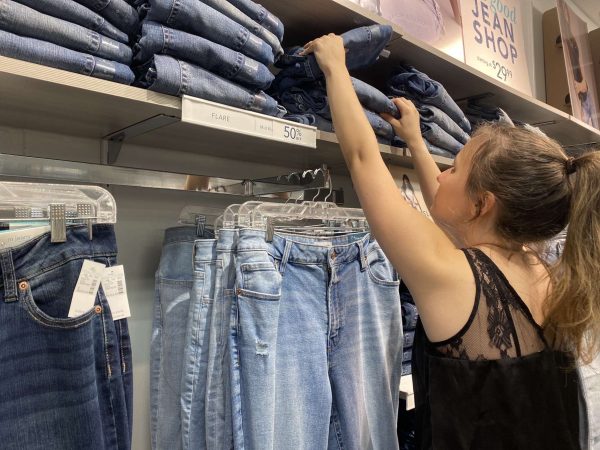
<point x="496" y="322"/>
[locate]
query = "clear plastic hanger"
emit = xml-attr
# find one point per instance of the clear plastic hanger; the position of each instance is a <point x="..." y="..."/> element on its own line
<point x="24" y="205"/>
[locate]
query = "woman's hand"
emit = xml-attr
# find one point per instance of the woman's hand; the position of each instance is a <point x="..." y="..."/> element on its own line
<point x="407" y="127"/>
<point x="329" y="52"/>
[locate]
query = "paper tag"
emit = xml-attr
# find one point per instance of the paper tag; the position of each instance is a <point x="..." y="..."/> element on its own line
<point x="86" y="288"/>
<point x="10" y="239"/>
<point x="113" y="285"/>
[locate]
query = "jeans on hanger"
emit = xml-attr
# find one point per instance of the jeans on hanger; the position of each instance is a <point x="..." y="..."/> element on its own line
<point x="73" y="12"/>
<point x="432" y="132"/>
<point x="433" y="114"/>
<point x="363" y="46"/>
<point x="66" y="382"/>
<point x="317" y="341"/>
<point x="118" y="12"/>
<point x="197" y="18"/>
<point x="174" y="286"/>
<point x="261" y="16"/>
<point x="174" y="77"/>
<point x="373" y="99"/>
<point x="409" y="82"/>
<point x="205" y="286"/>
<point x="226" y="8"/>
<point x="52" y="55"/>
<point x="218" y="417"/>
<point x="25" y="21"/>
<point x="159" y="39"/>
<point x="589" y="376"/>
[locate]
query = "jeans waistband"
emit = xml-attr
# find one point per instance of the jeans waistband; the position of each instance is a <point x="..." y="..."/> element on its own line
<point x="227" y="240"/>
<point x="205" y="250"/>
<point x="187" y="233"/>
<point x="40" y="255"/>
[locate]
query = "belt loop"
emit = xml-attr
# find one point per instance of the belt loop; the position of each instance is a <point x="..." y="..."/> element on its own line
<point x="362" y="250"/>
<point x="286" y="256"/>
<point x="8" y="275"/>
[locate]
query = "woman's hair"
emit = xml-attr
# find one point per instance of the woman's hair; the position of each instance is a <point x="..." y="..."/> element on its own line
<point x="539" y="190"/>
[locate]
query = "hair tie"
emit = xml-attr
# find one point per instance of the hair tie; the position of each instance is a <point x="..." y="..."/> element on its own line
<point x="570" y="165"/>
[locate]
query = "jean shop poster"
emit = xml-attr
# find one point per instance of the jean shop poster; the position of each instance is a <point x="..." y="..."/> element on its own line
<point x="437" y="22"/>
<point x="493" y="34"/>
<point x="408" y="184"/>
<point x="579" y="64"/>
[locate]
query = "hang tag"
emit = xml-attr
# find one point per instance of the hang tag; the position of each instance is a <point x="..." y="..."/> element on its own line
<point x="10" y="238"/>
<point x="86" y="288"/>
<point x="115" y="290"/>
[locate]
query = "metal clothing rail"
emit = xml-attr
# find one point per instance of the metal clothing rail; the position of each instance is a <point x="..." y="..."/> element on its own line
<point x="13" y="166"/>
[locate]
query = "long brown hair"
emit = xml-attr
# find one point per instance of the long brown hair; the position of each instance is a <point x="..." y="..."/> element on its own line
<point x="539" y="191"/>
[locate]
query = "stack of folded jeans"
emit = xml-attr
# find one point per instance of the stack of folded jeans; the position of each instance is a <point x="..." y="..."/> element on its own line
<point x="85" y="36"/>
<point x="443" y="125"/>
<point x="409" y="325"/>
<point x="209" y="49"/>
<point x="301" y="89"/>
<point x="478" y="113"/>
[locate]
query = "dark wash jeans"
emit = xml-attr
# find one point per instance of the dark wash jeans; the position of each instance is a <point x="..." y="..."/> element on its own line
<point x="66" y="383"/>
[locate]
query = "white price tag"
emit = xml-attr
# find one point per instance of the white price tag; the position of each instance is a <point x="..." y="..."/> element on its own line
<point x="86" y="288"/>
<point x="113" y="285"/>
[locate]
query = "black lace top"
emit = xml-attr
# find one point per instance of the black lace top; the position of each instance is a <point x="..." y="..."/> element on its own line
<point x="496" y="384"/>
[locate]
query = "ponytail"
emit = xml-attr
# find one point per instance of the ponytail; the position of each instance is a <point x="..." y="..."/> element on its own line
<point x="573" y="314"/>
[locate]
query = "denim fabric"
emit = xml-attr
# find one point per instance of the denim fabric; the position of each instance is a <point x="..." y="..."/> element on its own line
<point x="409" y="338"/>
<point x="380" y="126"/>
<point x="363" y="47"/>
<point x="196" y="344"/>
<point x="118" y="12"/>
<point x="589" y="376"/>
<point x="226" y="8"/>
<point x="171" y="76"/>
<point x="174" y="285"/>
<point x="406" y="368"/>
<point x="159" y="39"/>
<point x="409" y="82"/>
<point x="73" y="12"/>
<point x="435" y="150"/>
<point x="373" y="99"/>
<point x="340" y="300"/>
<point x="197" y="18"/>
<point x="432" y="132"/>
<point x="306" y="119"/>
<point x="261" y="16"/>
<point x="432" y="114"/>
<point x="22" y="20"/>
<point x="218" y="385"/>
<point x="477" y="114"/>
<point x="48" y="54"/>
<point x="410" y="316"/>
<point x="66" y="382"/>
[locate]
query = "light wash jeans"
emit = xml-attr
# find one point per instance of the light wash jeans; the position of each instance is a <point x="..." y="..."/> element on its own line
<point x="590" y="382"/>
<point x="216" y="58"/>
<point x="317" y="339"/>
<point x="261" y="16"/>
<point x="197" y="18"/>
<point x="174" y="287"/>
<point x="73" y="12"/>
<point x="434" y="134"/>
<point x="433" y="114"/>
<point x="25" y="21"/>
<point x="118" y="12"/>
<point x="174" y="77"/>
<point x="48" y="54"/>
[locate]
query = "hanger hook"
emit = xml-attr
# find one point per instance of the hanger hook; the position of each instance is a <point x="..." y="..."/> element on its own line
<point x="330" y="186"/>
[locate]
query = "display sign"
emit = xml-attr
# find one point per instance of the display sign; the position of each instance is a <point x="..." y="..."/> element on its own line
<point x="493" y="34"/>
<point x="579" y="64"/>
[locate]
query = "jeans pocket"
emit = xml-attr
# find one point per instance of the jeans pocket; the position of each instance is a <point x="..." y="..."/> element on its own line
<point x="380" y="269"/>
<point x="260" y="280"/>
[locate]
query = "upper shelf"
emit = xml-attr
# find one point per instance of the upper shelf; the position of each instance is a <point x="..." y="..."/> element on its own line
<point x="308" y="19"/>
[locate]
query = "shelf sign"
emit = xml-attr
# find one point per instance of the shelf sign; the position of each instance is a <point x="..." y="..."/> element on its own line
<point x="493" y="34"/>
<point x="234" y="120"/>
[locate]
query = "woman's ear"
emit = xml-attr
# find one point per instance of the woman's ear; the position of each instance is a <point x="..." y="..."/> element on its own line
<point x="487" y="203"/>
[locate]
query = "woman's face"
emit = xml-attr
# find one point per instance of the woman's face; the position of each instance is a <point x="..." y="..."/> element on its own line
<point x="452" y="205"/>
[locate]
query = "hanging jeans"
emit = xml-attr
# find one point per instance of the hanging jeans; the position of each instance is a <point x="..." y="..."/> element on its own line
<point x="261" y="16"/>
<point x="118" y="12"/>
<point x="197" y="18"/>
<point x="232" y="65"/>
<point x="48" y="54"/>
<point x="229" y="10"/>
<point x="66" y="382"/>
<point x="316" y="343"/>
<point x="22" y="20"/>
<point x="589" y="376"/>
<point x="174" y="77"/>
<point x="174" y="286"/>
<point x="409" y="82"/>
<point x="73" y="12"/>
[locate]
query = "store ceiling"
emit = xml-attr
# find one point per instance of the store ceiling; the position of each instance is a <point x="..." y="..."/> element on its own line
<point x="591" y="8"/>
